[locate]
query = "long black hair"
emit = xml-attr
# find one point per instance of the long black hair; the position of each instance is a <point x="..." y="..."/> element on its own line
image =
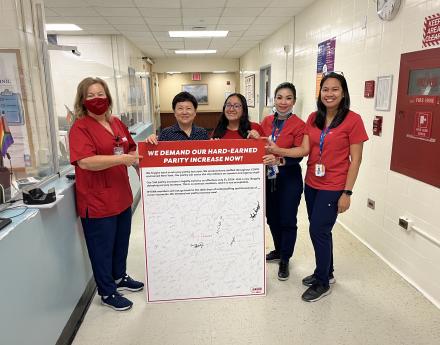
<point x="244" y="125"/>
<point x="343" y="108"/>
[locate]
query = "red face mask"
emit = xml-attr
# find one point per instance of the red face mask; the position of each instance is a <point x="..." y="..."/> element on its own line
<point x="97" y="105"/>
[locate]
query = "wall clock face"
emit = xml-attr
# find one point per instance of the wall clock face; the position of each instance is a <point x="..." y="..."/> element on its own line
<point x="387" y="9"/>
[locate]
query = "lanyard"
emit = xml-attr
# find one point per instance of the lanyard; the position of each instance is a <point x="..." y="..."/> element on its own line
<point x="321" y="140"/>
<point x="276" y="130"/>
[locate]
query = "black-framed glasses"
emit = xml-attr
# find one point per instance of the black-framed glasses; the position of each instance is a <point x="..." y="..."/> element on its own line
<point x="235" y="106"/>
<point x="324" y="74"/>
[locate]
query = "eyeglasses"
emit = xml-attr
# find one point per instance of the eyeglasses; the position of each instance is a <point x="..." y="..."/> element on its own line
<point x="235" y="106"/>
<point x="324" y="74"/>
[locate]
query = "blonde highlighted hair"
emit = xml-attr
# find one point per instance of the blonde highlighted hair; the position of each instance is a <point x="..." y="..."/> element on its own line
<point x="80" y="110"/>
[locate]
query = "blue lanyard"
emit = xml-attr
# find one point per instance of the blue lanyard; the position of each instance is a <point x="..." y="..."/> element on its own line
<point x="321" y="140"/>
<point x="278" y="127"/>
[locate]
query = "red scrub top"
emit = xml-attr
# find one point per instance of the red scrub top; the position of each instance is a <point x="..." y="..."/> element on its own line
<point x="335" y="152"/>
<point x="291" y="134"/>
<point x="230" y="134"/>
<point x="106" y="192"/>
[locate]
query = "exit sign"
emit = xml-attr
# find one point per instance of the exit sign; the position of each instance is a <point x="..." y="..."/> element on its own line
<point x="197" y="76"/>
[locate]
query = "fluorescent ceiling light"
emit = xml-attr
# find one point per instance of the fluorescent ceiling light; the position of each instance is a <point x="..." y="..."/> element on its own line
<point x="62" y="27"/>
<point x="208" y="51"/>
<point x="174" y="72"/>
<point x="198" y="33"/>
<point x="219" y="71"/>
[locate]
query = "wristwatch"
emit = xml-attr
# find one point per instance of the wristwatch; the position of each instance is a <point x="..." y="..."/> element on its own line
<point x="348" y="192"/>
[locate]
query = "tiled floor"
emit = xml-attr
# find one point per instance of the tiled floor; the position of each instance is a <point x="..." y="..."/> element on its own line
<point x="369" y="304"/>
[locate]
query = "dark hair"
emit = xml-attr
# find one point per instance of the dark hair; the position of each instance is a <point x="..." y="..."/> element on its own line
<point x="286" y="85"/>
<point x="244" y="125"/>
<point x="344" y="106"/>
<point x="184" y="97"/>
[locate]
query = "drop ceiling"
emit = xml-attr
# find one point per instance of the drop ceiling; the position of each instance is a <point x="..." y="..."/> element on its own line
<point x="146" y="22"/>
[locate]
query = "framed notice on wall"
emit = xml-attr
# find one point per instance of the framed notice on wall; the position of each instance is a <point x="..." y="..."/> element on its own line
<point x="383" y="93"/>
<point x="199" y="91"/>
<point x="249" y="90"/>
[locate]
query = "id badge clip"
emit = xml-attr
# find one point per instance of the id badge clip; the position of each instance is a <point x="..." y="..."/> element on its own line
<point x="319" y="170"/>
<point x="118" y="150"/>
<point x="272" y="171"/>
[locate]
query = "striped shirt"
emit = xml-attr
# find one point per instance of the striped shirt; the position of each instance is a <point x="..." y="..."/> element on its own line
<point x="175" y="133"/>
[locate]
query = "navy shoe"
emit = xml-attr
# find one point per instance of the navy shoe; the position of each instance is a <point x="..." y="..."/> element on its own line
<point x="315" y="292"/>
<point x="283" y="270"/>
<point x="129" y="284"/>
<point x="310" y="280"/>
<point x="117" y="302"/>
<point x="273" y="256"/>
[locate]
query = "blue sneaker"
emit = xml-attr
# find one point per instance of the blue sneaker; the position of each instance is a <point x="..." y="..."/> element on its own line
<point x="129" y="284"/>
<point x="117" y="302"/>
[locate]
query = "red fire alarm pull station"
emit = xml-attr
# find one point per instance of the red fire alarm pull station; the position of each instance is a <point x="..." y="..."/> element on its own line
<point x="377" y="125"/>
<point x="369" y="89"/>
<point x="416" y="141"/>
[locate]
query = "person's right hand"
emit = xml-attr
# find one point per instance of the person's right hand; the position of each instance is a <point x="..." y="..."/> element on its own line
<point x="130" y="159"/>
<point x="152" y="139"/>
<point x="253" y="134"/>
<point x="271" y="147"/>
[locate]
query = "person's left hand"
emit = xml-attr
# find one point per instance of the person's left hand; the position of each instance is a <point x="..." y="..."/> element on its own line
<point x="253" y="134"/>
<point x="271" y="147"/>
<point x="343" y="203"/>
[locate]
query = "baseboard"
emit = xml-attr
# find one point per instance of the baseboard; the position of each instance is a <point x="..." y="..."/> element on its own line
<point x="77" y="317"/>
<point x="394" y="268"/>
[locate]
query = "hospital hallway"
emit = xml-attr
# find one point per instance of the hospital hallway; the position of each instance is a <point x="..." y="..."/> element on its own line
<point x="369" y="304"/>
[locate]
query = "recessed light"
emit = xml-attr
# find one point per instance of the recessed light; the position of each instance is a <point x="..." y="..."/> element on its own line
<point x="62" y="27"/>
<point x="219" y="71"/>
<point x="198" y="33"/>
<point x="208" y="51"/>
<point x="174" y="72"/>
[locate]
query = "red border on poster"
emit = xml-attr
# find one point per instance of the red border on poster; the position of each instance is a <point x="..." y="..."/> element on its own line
<point x="201" y="152"/>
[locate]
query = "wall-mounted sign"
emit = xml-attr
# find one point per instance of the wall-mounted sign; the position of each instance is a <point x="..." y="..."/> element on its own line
<point x="383" y="93"/>
<point x="249" y="90"/>
<point x="424" y="100"/>
<point x="196" y="76"/>
<point x="369" y="88"/>
<point x="377" y="125"/>
<point x="431" y="30"/>
<point x="326" y="60"/>
<point x="423" y="124"/>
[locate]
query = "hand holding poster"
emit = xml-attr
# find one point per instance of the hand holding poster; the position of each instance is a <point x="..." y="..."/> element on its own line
<point x="204" y="219"/>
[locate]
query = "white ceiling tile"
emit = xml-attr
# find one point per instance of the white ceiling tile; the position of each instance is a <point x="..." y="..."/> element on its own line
<point x="85" y="20"/>
<point x="125" y="20"/>
<point x="138" y="35"/>
<point x="111" y="3"/>
<point x="158" y="3"/>
<point x="160" y="12"/>
<point x="200" y="21"/>
<point x="236" y="20"/>
<point x="159" y="27"/>
<point x="280" y="11"/>
<point x="197" y="44"/>
<point x="237" y="33"/>
<point x="208" y="27"/>
<point x="96" y="32"/>
<point x="100" y="27"/>
<point x="297" y="3"/>
<point x="249" y="3"/>
<point x="271" y="20"/>
<point x="76" y="11"/>
<point x="163" y="21"/>
<point x="240" y="11"/>
<point x="65" y="3"/>
<point x="164" y="36"/>
<point x="172" y="45"/>
<point x="131" y="28"/>
<point x="233" y="27"/>
<point x="50" y="13"/>
<point x="202" y="12"/>
<point x="118" y="12"/>
<point x="203" y="3"/>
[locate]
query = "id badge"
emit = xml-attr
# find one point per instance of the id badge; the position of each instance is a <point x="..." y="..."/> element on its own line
<point x="319" y="170"/>
<point x="118" y="150"/>
<point x="272" y="171"/>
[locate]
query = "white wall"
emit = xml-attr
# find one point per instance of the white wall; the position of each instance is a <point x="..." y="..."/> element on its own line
<point x="195" y="64"/>
<point x="366" y="48"/>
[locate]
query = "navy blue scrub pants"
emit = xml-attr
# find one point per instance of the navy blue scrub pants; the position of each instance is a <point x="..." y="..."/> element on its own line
<point x="107" y="243"/>
<point x="322" y="209"/>
<point x="283" y="196"/>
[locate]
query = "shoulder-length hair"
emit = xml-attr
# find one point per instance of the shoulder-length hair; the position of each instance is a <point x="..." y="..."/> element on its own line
<point x="343" y="108"/>
<point x="80" y="110"/>
<point x="244" y="126"/>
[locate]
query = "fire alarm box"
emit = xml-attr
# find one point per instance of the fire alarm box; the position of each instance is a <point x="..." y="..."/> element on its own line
<point x="377" y="125"/>
<point x="416" y="141"/>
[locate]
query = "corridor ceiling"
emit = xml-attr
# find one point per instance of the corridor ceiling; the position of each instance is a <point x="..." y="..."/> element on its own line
<point x="146" y="22"/>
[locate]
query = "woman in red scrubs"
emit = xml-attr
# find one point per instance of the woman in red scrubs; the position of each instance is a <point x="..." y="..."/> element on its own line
<point x="333" y="139"/>
<point x="234" y="121"/>
<point x="101" y="149"/>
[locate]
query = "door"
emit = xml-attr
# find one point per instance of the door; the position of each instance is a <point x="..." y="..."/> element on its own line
<point x="416" y="145"/>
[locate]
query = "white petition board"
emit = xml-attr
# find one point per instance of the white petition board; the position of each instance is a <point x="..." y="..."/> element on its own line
<point x="204" y="224"/>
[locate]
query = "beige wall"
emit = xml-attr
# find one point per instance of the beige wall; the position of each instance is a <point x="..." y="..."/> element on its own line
<point x="170" y="85"/>
<point x="366" y="47"/>
<point x="195" y="64"/>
